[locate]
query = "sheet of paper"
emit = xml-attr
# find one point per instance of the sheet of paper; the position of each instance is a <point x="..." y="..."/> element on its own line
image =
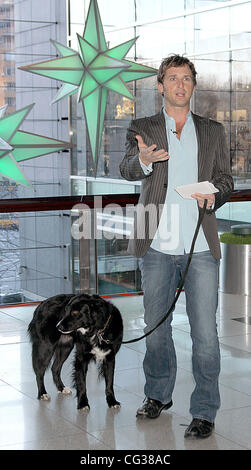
<point x="204" y="187"/>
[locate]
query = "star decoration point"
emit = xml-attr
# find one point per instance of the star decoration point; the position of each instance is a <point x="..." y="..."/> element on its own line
<point x="92" y="72"/>
<point x="17" y="146"/>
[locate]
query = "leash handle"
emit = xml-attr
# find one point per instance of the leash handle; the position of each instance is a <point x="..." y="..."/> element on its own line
<point x="200" y="218"/>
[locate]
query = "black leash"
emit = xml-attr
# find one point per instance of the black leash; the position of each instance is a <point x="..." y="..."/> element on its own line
<point x="200" y="218"/>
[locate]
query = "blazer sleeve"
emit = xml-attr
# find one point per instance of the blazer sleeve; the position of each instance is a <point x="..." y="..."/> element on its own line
<point x="221" y="177"/>
<point x="130" y="167"/>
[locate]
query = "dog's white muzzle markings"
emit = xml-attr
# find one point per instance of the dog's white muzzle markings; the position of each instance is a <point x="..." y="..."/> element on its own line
<point x="63" y="332"/>
<point x="82" y="330"/>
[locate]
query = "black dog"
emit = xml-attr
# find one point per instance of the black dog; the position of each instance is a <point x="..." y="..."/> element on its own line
<point x="92" y="324"/>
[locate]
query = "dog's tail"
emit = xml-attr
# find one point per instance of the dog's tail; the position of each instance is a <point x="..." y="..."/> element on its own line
<point x="31" y="330"/>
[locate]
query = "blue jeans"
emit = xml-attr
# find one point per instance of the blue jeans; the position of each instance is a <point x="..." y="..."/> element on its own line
<point x="161" y="274"/>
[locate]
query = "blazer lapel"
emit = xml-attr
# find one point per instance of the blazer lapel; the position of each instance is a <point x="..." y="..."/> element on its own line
<point x="157" y="127"/>
<point x="201" y="127"/>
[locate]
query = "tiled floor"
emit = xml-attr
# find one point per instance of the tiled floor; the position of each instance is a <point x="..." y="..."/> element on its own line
<point x="26" y="423"/>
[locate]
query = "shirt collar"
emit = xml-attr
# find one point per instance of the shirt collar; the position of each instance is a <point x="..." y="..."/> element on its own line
<point x="170" y="120"/>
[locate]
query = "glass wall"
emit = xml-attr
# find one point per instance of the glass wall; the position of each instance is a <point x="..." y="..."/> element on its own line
<point x="214" y="34"/>
<point x="100" y="258"/>
<point x="25" y="33"/>
<point x="35" y="255"/>
<point x="31" y="245"/>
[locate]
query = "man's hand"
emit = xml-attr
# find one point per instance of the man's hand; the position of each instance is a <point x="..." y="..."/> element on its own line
<point x="147" y="154"/>
<point x="201" y="198"/>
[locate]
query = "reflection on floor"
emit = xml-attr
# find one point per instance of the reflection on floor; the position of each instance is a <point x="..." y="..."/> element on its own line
<point x="27" y="423"/>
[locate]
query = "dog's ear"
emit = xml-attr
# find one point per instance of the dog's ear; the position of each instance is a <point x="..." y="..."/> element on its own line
<point x="70" y="301"/>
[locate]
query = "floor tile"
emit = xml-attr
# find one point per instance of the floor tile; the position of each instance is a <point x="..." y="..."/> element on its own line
<point x="165" y="433"/>
<point x="235" y="424"/>
<point x="128" y="358"/>
<point x="236" y="372"/>
<point x="23" y="419"/>
<point x="78" y="441"/>
<point x="27" y="423"/>
<point x="22" y="313"/>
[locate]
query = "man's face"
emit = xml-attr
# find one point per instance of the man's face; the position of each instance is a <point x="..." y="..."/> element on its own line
<point x="177" y="86"/>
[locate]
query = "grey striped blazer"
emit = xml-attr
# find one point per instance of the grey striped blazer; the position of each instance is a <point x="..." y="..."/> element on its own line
<point x="213" y="165"/>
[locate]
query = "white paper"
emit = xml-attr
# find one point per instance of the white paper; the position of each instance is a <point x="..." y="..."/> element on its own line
<point x="204" y="187"/>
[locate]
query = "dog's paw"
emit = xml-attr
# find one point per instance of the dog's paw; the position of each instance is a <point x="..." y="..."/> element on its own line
<point x="83" y="403"/>
<point x="116" y="406"/>
<point x="66" y="391"/>
<point x="113" y="403"/>
<point x="45" y="397"/>
<point x="84" y="408"/>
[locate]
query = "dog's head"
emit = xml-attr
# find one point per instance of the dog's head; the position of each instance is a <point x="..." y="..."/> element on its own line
<point x="84" y="313"/>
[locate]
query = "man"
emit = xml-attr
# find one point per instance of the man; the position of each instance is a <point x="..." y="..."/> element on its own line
<point x="173" y="148"/>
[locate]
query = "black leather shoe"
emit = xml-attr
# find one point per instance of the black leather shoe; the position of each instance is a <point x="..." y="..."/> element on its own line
<point x="199" y="428"/>
<point x="152" y="408"/>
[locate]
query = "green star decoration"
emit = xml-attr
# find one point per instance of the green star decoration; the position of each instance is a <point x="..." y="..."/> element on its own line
<point x="92" y="73"/>
<point x="18" y="146"/>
